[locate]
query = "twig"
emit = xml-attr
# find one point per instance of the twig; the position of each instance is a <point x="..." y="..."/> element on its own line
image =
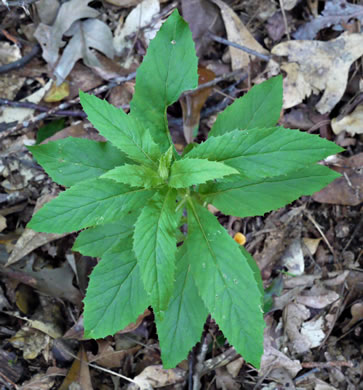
<point x="52" y="111"/>
<point x="21" y="62"/>
<point x="214" y="82"/>
<point x="200" y="362"/>
<point x="285" y="19"/>
<point x="220" y="360"/>
<point x="37" y="107"/>
<point x="8" y="380"/>
<point x="19" y="3"/>
<point x="334" y="363"/>
<point x="311" y="219"/>
<point x="263" y="57"/>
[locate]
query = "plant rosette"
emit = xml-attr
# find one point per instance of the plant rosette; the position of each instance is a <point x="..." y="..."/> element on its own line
<point x="127" y="196"/>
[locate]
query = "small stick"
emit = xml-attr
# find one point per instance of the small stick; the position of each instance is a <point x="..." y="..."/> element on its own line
<point x="21" y="62"/>
<point x="33" y="106"/>
<point x="62" y="106"/>
<point x="334" y="363"/>
<point x="311" y="219"/>
<point x="8" y="380"/>
<point x="285" y="19"/>
<point x="263" y="57"/>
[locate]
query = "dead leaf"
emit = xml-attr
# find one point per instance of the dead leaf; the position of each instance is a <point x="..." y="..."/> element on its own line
<point x="336" y="12"/>
<point x="351" y="123"/>
<point x="124" y="3"/>
<point x="31" y="341"/>
<point x="272" y="358"/>
<point x="235" y="366"/>
<point x="156" y="376"/>
<point x="317" y="297"/>
<point x="313" y="331"/>
<point x="139" y="17"/>
<point x="108" y="357"/>
<point x="38" y="382"/>
<point x="238" y="33"/>
<point x="225" y="381"/>
<point x="348" y="189"/>
<point x="14" y="114"/>
<point x="293" y="258"/>
<point x="9" y="83"/>
<point x="2" y="223"/>
<point x="192" y="104"/>
<point x="47" y="10"/>
<point x="316" y="66"/>
<point x="89" y="33"/>
<point x="79" y="373"/>
<point x="294" y="315"/>
<point x="50" y="37"/>
<point x="357" y="315"/>
<point x="57" y="93"/>
<point x="203" y="17"/>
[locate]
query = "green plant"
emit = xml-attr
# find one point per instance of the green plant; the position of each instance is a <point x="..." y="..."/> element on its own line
<point x="129" y="195"/>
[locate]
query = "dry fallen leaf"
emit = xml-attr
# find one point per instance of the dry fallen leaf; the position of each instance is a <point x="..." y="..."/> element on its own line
<point x="336" y="12"/>
<point x="156" y="376"/>
<point x="50" y="37"/>
<point x="316" y="66"/>
<point x="139" y="17"/>
<point x="91" y="33"/>
<point x="351" y="123"/>
<point x="238" y="33"/>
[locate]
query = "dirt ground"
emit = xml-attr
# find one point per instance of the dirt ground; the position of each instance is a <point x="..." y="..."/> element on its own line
<point x="309" y="252"/>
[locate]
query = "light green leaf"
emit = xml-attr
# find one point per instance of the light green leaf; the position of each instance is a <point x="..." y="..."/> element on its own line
<point x="256" y="271"/>
<point x="259" y="108"/>
<point x="182" y="325"/>
<point x="155" y="247"/>
<point x="97" y="241"/>
<point x="190" y="171"/>
<point x="115" y="294"/>
<point x="123" y="130"/>
<point x="226" y="283"/>
<point x="247" y="197"/>
<point x="71" y="160"/>
<point x="168" y="69"/>
<point x="266" y="152"/>
<point x="89" y="203"/>
<point x="135" y="176"/>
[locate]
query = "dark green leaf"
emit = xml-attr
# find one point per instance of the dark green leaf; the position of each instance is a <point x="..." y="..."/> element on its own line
<point x="168" y="69"/>
<point x="71" y="160"/>
<point x="91" y="202"/>
<point x="266" y="152"/>
<point x="190" y="171"/>
<point x="183" y="322"/>
<point x="50" y="129"/>
<point x="115" y="294"/>
<point x="226" y="283"/>
<point x="121" y="129"/>
<point x="247" y="197"/>
<point x="259" y="108"/>
<point x="155" y="247"/>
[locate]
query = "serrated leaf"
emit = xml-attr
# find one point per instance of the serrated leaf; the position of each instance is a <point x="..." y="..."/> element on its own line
<point x="155" y="247"/>
<point x="123" y="130"/>
<point x="191" y="171"/>
<point x="115" y="294"/>
<point x="135" y="176"/>
<point x="265" y="152"/>
<point x="71" y="160"/>
<point x="91" y="202"/>
<point x="183" y="322"/>
<point x="259" y="108"/>
<point x="168" y="69"/>
<point x="97" y="241"/>
<point x="226" y="283"/>
<point x="247" y="197"/>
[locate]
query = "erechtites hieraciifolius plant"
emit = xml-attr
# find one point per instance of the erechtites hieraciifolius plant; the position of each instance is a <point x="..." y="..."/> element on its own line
<point x="127" y="195"/>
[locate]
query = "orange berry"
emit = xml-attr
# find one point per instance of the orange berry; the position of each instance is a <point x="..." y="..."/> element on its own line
<point x="240" y="238"/>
